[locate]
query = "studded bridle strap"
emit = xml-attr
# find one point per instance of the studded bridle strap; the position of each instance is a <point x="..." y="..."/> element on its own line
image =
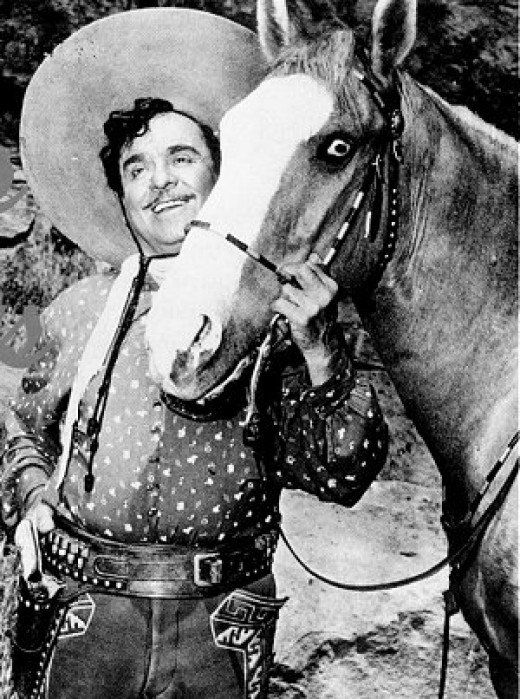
<point x="248" y="250"/>
<point x="390" y="107"/>
<point x="374" y="174"/>
<point x="394" y="119"/>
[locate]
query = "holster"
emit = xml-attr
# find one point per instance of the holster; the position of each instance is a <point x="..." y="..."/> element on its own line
<point x="40" y="612"/>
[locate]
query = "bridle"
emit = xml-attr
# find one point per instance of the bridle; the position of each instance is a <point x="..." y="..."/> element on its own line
<point x="388" y="104"/>
<point x="389" y="151"/>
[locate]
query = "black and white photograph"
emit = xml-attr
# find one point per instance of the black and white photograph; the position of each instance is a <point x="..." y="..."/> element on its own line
<point x="259" y="349"/>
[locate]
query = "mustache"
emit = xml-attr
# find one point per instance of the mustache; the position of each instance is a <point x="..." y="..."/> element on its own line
<point x="167" y="196"/>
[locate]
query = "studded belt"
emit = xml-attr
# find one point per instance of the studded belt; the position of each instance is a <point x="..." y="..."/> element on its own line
<point x="155" y="570"/>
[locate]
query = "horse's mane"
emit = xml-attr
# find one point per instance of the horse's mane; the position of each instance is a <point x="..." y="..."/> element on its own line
<point x="328" y="58"/>
<point x="492" y="141"/>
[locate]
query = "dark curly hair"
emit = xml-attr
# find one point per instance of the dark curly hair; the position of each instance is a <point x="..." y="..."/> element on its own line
<point x="122" y="127"/>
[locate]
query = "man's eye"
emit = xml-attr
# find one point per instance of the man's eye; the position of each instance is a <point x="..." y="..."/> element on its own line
<point x="183" y="159"/>
<point x="135" y="172"/>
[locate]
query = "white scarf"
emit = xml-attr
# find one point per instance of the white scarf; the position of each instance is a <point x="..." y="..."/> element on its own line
<point x="96" y="350"/>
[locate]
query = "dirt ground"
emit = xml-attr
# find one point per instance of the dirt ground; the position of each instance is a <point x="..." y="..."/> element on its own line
<point x="333" y="644"/>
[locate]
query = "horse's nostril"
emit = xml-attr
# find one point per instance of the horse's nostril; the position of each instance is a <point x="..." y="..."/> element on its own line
<point x="207" y="338"/>
<point x="204" y="330"/>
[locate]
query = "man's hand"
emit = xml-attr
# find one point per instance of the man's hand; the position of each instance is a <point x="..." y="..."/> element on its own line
<point x="305" y="310"/>
<point x="38" y="520"/>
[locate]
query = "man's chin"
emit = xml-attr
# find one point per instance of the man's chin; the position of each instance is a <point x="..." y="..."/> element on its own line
<point x="169" y="240"/>
<point x="169" y="247"/>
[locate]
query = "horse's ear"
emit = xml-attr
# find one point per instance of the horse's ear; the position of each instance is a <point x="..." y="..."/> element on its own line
<point x="393" y="35"/>
<point x="282" y="22"/>
<point x="275" y="29"/>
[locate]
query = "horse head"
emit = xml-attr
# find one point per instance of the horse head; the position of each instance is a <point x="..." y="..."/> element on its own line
<point x="295" y="157"/>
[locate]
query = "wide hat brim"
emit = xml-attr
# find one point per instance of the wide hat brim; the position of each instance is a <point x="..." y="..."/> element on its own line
<point x="202" y="63"/>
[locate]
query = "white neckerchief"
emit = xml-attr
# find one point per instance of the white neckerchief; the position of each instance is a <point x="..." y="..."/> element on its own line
<point x="95" y="353"/>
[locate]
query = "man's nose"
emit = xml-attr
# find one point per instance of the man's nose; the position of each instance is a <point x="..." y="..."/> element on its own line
<point x="163" y="175"/>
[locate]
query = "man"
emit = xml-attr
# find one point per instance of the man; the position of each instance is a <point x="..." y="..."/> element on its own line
<point x="155" y="514"/>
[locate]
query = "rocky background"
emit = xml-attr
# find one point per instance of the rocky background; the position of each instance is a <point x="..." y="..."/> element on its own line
<point x="330" y="644"/>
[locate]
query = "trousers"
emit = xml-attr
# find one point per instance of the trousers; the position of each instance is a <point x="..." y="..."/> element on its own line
<point x="120" y="647"/>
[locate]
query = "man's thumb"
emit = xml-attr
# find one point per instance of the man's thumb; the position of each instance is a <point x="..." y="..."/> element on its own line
<point x="38" y="520"/>
<point x="26" y="538"/>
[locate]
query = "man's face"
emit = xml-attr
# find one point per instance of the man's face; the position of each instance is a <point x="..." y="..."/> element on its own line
<point x="166" y="175"/>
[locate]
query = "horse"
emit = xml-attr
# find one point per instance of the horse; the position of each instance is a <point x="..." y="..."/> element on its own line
<point x="437" y="293"/>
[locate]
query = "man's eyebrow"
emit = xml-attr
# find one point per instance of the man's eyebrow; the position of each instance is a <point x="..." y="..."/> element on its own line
<point x="177" y="148"/>
<point x="137" y="158"/>
<point x="182" y="146"/>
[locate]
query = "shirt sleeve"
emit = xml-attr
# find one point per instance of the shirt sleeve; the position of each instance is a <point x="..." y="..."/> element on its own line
<point x="331" y="440"/>
<point x="33" y="418"/>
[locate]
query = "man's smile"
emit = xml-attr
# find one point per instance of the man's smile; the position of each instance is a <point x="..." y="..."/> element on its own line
<point x="171" y="203"/>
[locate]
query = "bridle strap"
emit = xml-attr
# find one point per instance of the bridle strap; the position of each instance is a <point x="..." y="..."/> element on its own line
<point x="394" y="119"/>
<point x="374" y="174"/>
<point x="247" y="250"/>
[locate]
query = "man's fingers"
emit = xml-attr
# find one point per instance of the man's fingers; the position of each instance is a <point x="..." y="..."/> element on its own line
<point x="313" y="281"/>
<point x="315" y="259"/>
<point x="309" y="306"/>
<point x="292" y="312"/>
<point x="317" y="267"/>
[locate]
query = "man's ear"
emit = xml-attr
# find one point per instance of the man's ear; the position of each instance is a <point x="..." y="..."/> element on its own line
<point x="393" y="35"/>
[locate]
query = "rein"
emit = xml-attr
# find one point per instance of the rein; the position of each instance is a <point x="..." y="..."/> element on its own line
<point x="456" y="557"/>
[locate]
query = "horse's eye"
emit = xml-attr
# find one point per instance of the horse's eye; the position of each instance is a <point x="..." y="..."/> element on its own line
<point x="334" y="149"/>
<point x="338" y="148"/>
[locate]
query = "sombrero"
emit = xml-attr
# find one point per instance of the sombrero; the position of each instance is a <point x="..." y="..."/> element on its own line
<point x="202" y="63"/>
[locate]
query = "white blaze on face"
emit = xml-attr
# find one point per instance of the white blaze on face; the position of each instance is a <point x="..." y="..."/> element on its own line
<point x="258" y="138"/>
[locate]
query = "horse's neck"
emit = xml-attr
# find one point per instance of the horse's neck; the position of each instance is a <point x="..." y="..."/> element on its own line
<point x="445" y="313"/>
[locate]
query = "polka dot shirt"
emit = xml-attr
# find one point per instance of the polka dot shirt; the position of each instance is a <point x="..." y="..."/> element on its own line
<point x="160" y="477"/>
